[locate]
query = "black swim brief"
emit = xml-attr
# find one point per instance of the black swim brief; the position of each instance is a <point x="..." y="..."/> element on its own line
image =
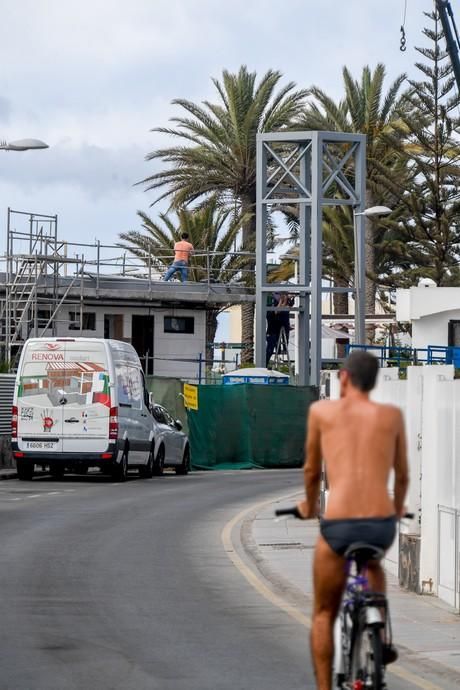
<point x="340" y="534"/>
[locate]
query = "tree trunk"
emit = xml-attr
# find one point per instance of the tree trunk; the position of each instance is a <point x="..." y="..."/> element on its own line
<point x="340" y="300"/>
<point x="247" y="332"/>
<point x="211" y="328"/>
<point x="247" y="310"/>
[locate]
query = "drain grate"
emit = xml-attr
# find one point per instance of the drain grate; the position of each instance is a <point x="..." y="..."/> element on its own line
<point x="284" y="545"/>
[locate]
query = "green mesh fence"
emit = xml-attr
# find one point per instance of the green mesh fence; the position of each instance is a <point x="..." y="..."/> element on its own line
<point x="249" y="426"/>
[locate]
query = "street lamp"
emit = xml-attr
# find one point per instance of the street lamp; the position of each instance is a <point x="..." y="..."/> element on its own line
<point x="360" y="269"/>
<point x="23" y="145"/>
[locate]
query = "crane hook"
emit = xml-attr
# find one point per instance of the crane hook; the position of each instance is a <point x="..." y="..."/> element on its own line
<point x="403" y="41"/>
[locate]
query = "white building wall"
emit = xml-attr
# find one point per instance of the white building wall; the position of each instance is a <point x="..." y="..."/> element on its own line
<point x="433" y="329"/>
<point x="176" y="354"/>
<point x="430" y="401"/>
<point x="429" y="309"/>
<point x="172" y="350"/>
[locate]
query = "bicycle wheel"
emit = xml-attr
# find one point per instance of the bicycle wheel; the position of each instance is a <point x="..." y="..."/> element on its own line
<point x="366" y="657"/>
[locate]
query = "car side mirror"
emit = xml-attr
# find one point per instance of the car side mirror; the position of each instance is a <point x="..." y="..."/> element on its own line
<point x="178" y="425"/>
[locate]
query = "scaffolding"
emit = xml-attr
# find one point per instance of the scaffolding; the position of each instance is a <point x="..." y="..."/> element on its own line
<point x="42" y="274"/>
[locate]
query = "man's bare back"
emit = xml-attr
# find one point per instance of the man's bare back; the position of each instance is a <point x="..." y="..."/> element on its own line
<point x="360" y="443"/>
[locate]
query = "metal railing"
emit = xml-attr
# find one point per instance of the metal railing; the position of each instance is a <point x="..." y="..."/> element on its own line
<point x="112" y="260"/>
<point x="407" y="356"/>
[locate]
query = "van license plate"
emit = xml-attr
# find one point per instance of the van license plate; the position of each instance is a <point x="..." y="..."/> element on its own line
<point x="40" y="445"/>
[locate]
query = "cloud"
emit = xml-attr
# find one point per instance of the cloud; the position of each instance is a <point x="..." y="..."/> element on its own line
<point x="92" y="77"/>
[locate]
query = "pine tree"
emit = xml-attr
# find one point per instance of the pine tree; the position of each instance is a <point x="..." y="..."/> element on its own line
<point x="430" y="119"/>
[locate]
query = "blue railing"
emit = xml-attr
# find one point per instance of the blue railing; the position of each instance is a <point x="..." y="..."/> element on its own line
<point x="405" y="356"/>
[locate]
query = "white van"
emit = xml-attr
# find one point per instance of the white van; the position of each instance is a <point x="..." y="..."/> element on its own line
<point x="79" y="403"/>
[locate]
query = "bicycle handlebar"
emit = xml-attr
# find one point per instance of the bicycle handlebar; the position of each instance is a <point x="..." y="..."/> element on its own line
<point x="293" y="511"/>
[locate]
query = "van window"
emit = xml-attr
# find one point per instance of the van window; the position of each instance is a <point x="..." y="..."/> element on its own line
<point x="130" y="385"/>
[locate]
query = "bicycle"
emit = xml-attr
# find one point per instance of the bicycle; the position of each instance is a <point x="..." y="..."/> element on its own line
<point x="363" y="622"/>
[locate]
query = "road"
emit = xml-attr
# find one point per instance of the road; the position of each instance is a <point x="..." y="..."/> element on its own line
<point x="128" y="586"/>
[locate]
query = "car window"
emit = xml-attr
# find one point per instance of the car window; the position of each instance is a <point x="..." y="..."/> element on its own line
<point x="169" y="419"/>
<point x="158" y="414"/>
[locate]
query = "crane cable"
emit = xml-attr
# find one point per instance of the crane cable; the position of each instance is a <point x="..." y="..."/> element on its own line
<point x="402" y="44"/>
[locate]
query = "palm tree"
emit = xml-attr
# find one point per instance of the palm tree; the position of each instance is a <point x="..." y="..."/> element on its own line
<point x="366" y="109"/>
<point x="217" y="152"/>
<point x="212" y="230"/>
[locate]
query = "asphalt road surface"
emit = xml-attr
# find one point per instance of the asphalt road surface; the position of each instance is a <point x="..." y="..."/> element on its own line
<point x="128" y="586"/>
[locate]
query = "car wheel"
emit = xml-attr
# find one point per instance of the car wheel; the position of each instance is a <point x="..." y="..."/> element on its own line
<point x="146" y="471"/>
<point x="25" y="470"/>
<point x="159" y="463"/>
<point x="184" y="467"/>
<point x="120" y="473"/>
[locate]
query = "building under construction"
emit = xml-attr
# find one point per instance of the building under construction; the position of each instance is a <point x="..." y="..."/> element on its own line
<point x="51" y="287"/>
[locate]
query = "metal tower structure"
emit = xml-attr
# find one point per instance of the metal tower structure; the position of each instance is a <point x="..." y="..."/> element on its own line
<point x="302" y="172"/>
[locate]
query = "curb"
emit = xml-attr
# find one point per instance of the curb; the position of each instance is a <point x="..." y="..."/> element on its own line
<point x="8" y="474"/>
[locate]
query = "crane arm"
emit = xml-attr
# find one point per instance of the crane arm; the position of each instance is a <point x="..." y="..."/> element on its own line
<point x="451" y="35"/>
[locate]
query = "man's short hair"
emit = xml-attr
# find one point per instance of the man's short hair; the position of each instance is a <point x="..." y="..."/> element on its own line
<point x="362" y="367"/>
<point x="184" y="236"/>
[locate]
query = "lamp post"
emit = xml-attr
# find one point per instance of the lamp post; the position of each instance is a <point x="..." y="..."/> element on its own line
<point x="360" y="269"/>
<point x="17" y="145"/>
<point x="23" y="145"/>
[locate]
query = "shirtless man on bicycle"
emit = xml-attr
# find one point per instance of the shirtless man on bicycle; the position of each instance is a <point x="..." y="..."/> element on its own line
<point x="360" y="442"/>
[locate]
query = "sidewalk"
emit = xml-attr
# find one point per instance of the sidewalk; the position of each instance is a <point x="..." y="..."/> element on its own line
<point x="426" y="631"/>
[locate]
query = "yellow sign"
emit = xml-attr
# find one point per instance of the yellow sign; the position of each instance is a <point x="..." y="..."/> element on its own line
<point x="191" y="396"/>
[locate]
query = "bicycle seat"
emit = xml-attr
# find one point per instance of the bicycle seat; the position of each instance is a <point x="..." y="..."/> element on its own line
<point x="361" y="552"/>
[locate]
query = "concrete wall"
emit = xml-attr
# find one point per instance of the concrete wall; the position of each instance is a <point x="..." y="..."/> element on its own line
<point x="430" y="401"/>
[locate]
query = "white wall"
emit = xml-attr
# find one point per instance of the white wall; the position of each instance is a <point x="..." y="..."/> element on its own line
<point x="433" y="329"/>
<point x="429" y="310"/>
<point x="169" y="348"/>
<point x="430" y="401"/>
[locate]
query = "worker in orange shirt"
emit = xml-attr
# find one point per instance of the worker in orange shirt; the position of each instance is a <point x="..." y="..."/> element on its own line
<point x="182" y="251"/>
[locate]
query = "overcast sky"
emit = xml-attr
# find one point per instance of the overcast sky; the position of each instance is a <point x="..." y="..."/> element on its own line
<point x="92" y="77"/>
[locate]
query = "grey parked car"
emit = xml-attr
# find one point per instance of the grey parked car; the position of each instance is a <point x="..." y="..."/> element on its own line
<point x="171" y="444"/>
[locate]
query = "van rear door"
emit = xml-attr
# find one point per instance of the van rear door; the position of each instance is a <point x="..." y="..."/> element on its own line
<point x="39" y="398"/>
<point x="86" y="381"/>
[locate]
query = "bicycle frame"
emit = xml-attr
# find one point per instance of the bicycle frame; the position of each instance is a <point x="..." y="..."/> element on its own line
<point x="357" y="596"/>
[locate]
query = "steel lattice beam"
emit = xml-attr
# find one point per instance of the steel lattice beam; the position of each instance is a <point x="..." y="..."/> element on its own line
<point x="308" y="170"/>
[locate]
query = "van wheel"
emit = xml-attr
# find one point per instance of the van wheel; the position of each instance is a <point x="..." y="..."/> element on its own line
<point x="120" y="470"/>
<point x="159" y="464"/>
<point x="25" y="470"/>
<point x="184" y="467"/>
<point x="146" y="471"/>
